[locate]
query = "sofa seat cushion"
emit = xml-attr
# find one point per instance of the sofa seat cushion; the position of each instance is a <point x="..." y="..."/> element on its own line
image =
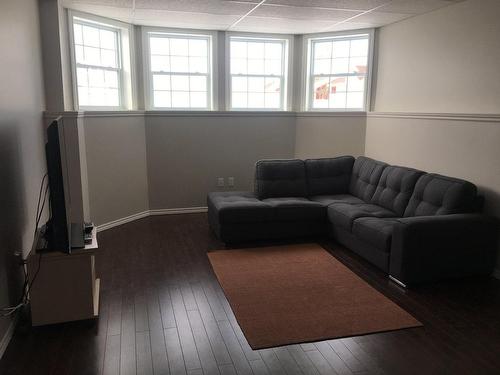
<point x="280" y="178"/>
<point x="328" y="175"/>
<point x="375" y="231"/>
<point x="344" y="214"/>
<point x="238" y="207"/>
<point x="365" y="176"/>
<point x="296" y="209"/>
<point x="441" y="195"/>
<point x="327" y="200"/>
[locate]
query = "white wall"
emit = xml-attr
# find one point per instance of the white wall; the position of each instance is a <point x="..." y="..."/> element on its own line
<point x="442" y="61"/>
<point x="21" y="139"/>
<point x="330" y="135"/>
<point x="445" y="61"/>
<point x="186" y="154"/>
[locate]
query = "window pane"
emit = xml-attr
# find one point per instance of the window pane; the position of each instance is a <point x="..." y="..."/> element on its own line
<point x="96" y="96"/>
<point x="198" y="99"/>
<point x="198" y="47"/>
<point x="238" y="50"/>
<point x="256" y="50"/>
<point x="111" y="97"/>
<point x="255" y="84"/>
<point x="341" y="49"/>
<point x="273" y="67"/>
<point x="91" y="56"/>
<point x="83" y="96"/>
<point x="180" y="99"/>
<point x="111" y="79"/>
<point x="179" y="47"/>
<point x="355" y="100"/>
<point x="162" y="99"/>
<point x="356" y="83"/>
<point x="357" y="65"/>
<point x="198" y="83"/>
<point x="238" y="66"/>
<point x="82" y="77"/>
<point x="90" y="36"/>
<point x="359" y="47"/>
<point x="273" y="51"/>
<point x="255" y="100"/>
<point x="96" y="78"/>
<point x="256" y="66"/>
<point x="337" y="100"/>
<point x="160" y="63"/>
<point x="159" y="46"/>
<point x="80" y="59"/>
<point x="239" y="84"/>
<point x="322" y="66"/>
<point x="107" y="39"/>
<point x="272" y="85"/>
<point x="180" y="83"/>
<point x="161" y="82"/>
<point x="77" y="29"/>
<point x="272" y="100"/>
<point x="340" y="66"/>
<point x="108" y="58"/>
<point x="198" y="64"/>
<point x="179" y="64"/>
<point x="239" y="100"/>
<point x="338" y="84"/>
<point x="321" y="92"/>
<point x="322" y="50"/>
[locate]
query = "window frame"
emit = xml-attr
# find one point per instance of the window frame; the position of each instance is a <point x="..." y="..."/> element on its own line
<point x="307" y="95"/>
<point x="212" y="86"/>
<point x="126" y="62"/>
<point x="286" y="100"/>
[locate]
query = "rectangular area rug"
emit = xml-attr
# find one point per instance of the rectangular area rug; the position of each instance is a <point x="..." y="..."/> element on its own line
<point x="300" y="293"/>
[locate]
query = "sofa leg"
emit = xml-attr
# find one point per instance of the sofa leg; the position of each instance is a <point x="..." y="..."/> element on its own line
<point x="400" y="283"/>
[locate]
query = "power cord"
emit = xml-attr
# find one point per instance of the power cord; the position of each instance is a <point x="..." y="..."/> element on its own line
<point x="27" y="285"/>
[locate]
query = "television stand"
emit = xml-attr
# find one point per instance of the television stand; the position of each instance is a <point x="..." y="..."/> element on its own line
<point x="66" y="287"/>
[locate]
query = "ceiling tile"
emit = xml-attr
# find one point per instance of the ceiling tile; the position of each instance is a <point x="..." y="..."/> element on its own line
<point x="184" y="19"/>
<point x="280" y="25"/>
<point x="107" y="3"/>
<point x="302" y="12"/>
<point x="196" y="6"/>
<point x="415" y="6"/>
<point x="332" y="4"/>
<point x="380" y="17"/>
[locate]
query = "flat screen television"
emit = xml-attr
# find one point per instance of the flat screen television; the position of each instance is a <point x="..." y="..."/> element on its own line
<point x="62" y="235"/>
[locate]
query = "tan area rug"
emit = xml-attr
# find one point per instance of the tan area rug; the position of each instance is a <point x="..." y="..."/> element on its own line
<point x="299" y="293"/>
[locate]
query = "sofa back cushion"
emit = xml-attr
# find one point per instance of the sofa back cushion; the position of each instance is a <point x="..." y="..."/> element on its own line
<point x="328" y="176"/>
<point x="395" y="188"/>
<point x="280" y="178"/>
<point x="365" y="175"/>
<point x="440" y="195"/>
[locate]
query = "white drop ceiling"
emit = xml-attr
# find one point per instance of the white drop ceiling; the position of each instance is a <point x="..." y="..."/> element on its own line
<point x="269" y="16"/>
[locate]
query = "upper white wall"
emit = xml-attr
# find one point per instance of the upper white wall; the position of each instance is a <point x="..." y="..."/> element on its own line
<point x="22" y="152"/>
<point x="444" y="61"/>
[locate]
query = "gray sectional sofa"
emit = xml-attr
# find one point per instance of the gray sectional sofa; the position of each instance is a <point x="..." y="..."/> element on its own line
<point x="415" y="226"/>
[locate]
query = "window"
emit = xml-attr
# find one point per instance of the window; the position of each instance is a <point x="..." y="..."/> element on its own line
<point x="179" y="71"/>
<point x="338" y="72"/>
<point x="101" y="70"/>
<point x="258" y="70"/>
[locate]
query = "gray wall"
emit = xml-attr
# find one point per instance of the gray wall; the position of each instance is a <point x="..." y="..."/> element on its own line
<point x="21" y="138"/>
<point x="443" y="61"/>
<point x="116" y="166"/>
<point x="330" y="135"/>
<point x="186" y="154"/>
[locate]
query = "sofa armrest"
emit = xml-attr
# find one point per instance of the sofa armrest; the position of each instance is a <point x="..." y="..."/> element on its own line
<point x="428" y="248"/>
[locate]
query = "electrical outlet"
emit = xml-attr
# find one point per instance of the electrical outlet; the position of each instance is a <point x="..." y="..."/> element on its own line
<point x="230" y="181"/>
<point x="220" y="181"/>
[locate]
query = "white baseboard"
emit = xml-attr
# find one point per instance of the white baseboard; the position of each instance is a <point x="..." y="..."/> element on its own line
<point x="7" y="336"/>
<point x="140" y="215"/>
<point x="496" y="273"/>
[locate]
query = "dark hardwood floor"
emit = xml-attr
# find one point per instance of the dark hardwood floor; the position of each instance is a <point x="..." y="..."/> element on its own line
<point x="163" y="312"/>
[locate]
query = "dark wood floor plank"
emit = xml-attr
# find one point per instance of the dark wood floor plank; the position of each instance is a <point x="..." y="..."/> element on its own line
<point x="287" y="361"/>
<point x="237" y="356"/>
<point x="174" y="352"/>
<point x="141" y="312"/>
<point x="143" y="350"/>
<point x="272" y="362"/>
<point x="128" y="338"/>
<point x="259" y="367"/>
<point x="185" y="334"/>
<point x="167" y="311"/>
<point x="332" y="358"/>
<point x="207" y="358"/>
<point x="307" y="346"/>
<point x="346" y="356"/>
<point x="302" y="360"/>
<point x="115" y="314"/>
<point x="157" y="337"/>
<point x="227" y="369"/>
<point x="320" y="362"/>
<point x="216" y="341"/>
<point x="112" y="356"/>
